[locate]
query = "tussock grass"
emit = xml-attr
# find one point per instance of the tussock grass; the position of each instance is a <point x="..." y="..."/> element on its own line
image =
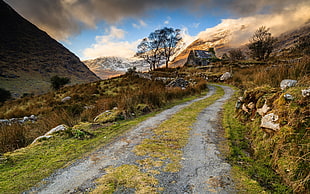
<point x="127" y="93"/>
<point x="272" y="74"/>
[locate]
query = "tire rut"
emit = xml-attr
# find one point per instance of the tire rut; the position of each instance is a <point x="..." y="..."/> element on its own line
<point x="203" y="170"/>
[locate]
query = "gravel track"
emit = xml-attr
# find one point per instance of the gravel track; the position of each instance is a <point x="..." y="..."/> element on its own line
<point x="203" y="170"/>
<point x="202" y="167"/>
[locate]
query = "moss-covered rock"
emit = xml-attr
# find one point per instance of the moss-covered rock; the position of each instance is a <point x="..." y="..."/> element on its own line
<point x="108" y="116"/>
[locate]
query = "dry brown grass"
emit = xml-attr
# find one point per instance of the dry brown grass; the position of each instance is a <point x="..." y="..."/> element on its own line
<point x="126" y="93"/>
<point x="273" y="74"/>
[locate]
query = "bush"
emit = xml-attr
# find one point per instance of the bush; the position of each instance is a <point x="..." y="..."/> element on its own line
<point x="4" y="95"/>
<point x="58" y="82"/>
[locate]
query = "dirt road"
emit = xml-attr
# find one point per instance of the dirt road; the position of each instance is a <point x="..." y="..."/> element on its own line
<point x="203" y="171"/>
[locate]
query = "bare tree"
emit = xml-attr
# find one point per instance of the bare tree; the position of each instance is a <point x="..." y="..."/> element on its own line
<point x="159" y="45"/>
<point x="261" y="43"/>
<point x="171" y="39"/>
<point x="236" y="54"/>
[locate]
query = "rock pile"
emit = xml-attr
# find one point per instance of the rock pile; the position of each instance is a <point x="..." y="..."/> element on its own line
<point x="31" y="118"/>
<point x="257" y="101"/>
<point x="179" y="82"/>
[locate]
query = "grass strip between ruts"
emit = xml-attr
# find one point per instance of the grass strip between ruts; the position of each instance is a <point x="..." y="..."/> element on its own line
<point x="162" y="151"/>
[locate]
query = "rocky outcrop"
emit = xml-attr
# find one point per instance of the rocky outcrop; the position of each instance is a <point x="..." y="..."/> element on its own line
<point x="50" y="132"/>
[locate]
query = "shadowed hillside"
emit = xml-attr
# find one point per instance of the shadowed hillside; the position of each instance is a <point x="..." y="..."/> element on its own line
<point x="29" y="57"/>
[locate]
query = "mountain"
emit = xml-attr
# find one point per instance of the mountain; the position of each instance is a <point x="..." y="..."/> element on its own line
<point x="29" y="57"/>
<point x="224" y="38"/>
<point x="106" y="67"/>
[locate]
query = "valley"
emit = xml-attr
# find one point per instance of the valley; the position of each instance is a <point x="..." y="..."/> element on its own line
<point x="225" y="111"/>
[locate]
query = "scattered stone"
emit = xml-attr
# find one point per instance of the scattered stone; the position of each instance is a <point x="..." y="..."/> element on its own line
<point x="4" y="122"/>
<point x="225" y="76"/>
<point x="268" y="121"/>
<point x="288" y="97"/>
<point x="25" y="119"/>
<point x="305" y="93"/>
<point x="65" y="99"/>
<point x="143" y="75"/>
<point x="179" y="82"/>
<point x="287" y="83"/>
<point x="33" y="118"/>
<point x="262" y="111"/>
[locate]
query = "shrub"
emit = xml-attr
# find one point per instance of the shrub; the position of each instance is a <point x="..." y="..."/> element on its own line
<point x="4" y="95"/>
<point x="58" y="82"/>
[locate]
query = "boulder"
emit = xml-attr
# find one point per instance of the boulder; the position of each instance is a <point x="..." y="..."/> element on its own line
<point x="268" y="121"/>
<point x="262" y="111"/>
<point x="287" y="83"/>
<point x="305" y="93"/>
<point x="65" y="99"/>
<point x="225" y="76"/>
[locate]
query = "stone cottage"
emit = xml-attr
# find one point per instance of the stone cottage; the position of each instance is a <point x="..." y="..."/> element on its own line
<point x="199" y="58"/>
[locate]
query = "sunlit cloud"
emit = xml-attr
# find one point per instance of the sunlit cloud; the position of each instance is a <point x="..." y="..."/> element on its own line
<point x="240" y="30"/>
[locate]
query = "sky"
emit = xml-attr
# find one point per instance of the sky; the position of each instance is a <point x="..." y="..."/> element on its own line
<point x="98" y="28"/>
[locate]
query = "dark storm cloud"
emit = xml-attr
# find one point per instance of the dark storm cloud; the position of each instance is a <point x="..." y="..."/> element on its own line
<point x="62" y="18"/>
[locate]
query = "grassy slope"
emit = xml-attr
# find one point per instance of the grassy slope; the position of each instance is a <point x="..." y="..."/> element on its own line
<point x="23" y="168"/>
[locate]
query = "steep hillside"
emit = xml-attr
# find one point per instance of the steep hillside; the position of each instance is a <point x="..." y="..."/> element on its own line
<point x="29" y="57"/>
<point x="106" y="67"/>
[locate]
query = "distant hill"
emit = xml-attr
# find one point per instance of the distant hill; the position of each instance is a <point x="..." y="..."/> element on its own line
<point x="106" y="67"/>
<point x="29" y="57"/>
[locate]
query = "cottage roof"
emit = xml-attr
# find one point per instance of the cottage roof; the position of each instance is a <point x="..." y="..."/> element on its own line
<point x="202" y="54"/>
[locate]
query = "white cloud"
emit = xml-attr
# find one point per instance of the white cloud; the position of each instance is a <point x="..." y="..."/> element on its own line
<point x="139" y="25"/>
<point x="167" y="21"/>
<point x="111" y="45"/>
<point x="195" y="25"/>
